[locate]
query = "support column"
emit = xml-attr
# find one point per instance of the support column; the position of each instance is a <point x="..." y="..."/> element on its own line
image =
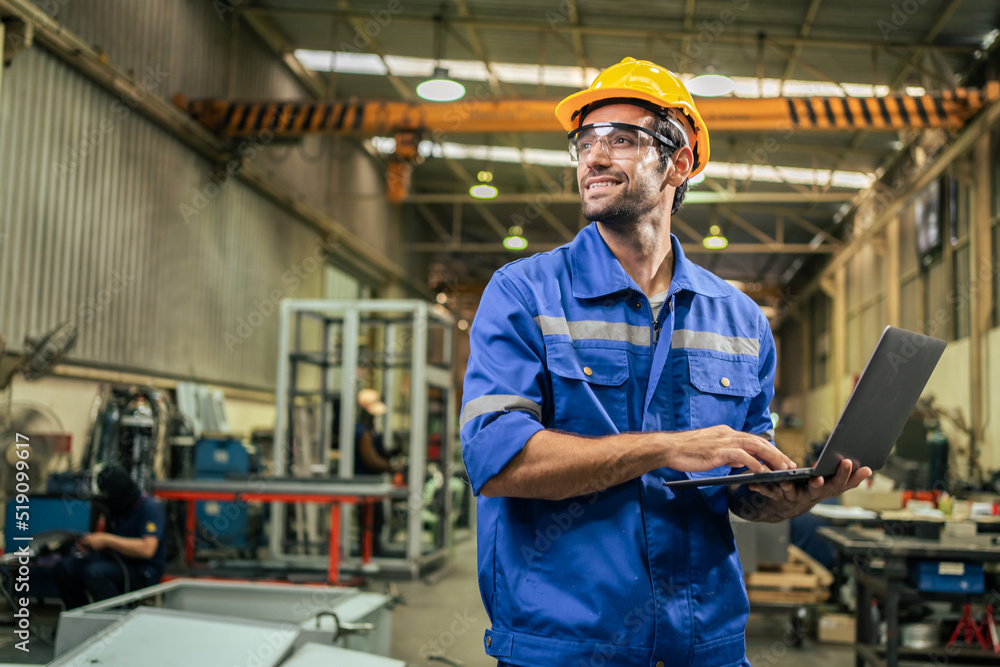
<point x="980" y="292"/>
<point x="838" y="333"/>
<point x="891" y="277"/>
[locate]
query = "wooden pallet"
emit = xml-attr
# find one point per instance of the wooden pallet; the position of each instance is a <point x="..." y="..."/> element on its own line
<point x="800" y="581"/>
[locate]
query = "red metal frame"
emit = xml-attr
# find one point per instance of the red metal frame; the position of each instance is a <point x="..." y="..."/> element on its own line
<point x="333" y="568"/>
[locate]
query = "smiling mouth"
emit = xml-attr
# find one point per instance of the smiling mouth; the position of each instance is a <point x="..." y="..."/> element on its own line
<point x="602" y="185"/>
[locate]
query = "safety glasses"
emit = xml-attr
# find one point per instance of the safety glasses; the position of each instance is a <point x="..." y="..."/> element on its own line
<point x="619" y="140"/>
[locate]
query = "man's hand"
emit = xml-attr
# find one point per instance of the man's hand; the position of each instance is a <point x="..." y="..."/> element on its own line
<point x="708" y="448"/>
<point x="788" y="500"/>
<point x="94" y="541"/>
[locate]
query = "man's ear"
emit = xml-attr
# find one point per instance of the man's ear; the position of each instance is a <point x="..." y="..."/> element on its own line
<point x="680" y="168"/>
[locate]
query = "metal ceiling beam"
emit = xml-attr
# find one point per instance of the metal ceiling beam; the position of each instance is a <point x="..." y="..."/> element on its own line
<point x="688" y="28"/>
<point x="357" y="20"/>
<point x="293" y="118"/>
<point x="746" y="226"/>
<point x="278" y="43"/>
<point x="727" y="37"/>
<point x="691" y="199"/>
<point x="790" y="58"/>
<point x="499" y="87"/>
<point x="427" y="214"/>
<point x="693" y="249"/>
<point x="574" y="24"/>
<point x="803" y="33"/>
<point x="932" y="34"/>
<point x="477" y="204"/>
<point x="810" y="227"/>
<point x="685" y="228"/>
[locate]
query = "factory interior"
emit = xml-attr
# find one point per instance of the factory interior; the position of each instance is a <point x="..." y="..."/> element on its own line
<point x="243" y="363"/>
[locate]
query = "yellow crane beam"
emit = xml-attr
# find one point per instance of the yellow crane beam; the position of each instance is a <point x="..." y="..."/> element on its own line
<point x="291" y="118"/>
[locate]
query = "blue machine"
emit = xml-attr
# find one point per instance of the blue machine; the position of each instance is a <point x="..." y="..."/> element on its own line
<point x="221" y="524"/>
<point x="45" y="513"/>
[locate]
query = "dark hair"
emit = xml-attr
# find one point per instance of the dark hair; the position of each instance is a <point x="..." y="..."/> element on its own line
<point x="670" y="131"/>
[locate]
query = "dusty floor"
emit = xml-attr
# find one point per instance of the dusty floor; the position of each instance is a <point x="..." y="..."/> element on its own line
<point x="447" y="618"/>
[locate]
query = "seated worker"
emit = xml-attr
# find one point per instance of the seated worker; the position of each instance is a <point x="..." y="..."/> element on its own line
<point x="130" y="556"/>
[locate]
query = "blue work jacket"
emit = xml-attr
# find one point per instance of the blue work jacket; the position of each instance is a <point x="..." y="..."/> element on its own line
<point x="636" y="574"/>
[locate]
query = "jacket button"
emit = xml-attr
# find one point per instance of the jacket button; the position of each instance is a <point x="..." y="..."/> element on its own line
<point x="638" y="305"/>
<point x="489" y="640"/>
<point x="587" y="371"/>
<point x="659" y="664"/>
<point x="724" y="382"/>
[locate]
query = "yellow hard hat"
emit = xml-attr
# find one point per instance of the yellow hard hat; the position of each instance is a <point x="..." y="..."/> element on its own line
<point x="646" y="81"/>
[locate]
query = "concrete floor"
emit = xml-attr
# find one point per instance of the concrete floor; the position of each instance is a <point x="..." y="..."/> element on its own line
<point x="447" y="618"/>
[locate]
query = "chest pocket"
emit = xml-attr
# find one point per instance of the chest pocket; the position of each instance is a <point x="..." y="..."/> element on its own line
<point x="722" y="389"/>
<point x="587" y="388"/>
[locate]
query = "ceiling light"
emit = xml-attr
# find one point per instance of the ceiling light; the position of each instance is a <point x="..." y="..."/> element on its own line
<point x="515" y="243"/>
<point x="715" y="242"/>
<point x="463" y="325"/>
<point x="441" y="297"/>
<point x="916" y="91"/>
<point x="711" y="85"/>
<point x="485" y="176"/>
<point x="483" y="191"/>
<point x="439" y="88"/>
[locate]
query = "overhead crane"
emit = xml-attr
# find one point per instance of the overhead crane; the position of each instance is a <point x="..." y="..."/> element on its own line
<point x="411" y="121"/>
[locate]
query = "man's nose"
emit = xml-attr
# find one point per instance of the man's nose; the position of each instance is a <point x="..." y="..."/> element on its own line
<point x="599" y="153"/>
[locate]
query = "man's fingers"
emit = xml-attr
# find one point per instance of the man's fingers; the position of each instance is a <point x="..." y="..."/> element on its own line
<point x="770" y="455"/>
<point x="860" y="475"/>
<point x="738" y="458"/>
<point x="771" y="491"/>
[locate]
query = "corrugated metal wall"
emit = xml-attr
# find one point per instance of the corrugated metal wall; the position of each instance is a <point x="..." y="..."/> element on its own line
<point x="109" y="220"/>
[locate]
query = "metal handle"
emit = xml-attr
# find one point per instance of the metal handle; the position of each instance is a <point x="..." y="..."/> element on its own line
<point x="341" y="629"/>
<point x="357" y="628"/>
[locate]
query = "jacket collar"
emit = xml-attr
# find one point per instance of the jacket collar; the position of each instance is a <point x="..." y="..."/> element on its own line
<point x="597" y="272"/>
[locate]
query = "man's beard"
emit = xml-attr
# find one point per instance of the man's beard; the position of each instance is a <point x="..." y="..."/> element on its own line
<point x="623" y="211"/>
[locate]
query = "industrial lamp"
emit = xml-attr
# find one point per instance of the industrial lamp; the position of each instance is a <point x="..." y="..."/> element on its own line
<point x="514" y="240"/>
<point x="716" y="241"/>
<point x="483" y="189"/>
<point x="440" y="87"/>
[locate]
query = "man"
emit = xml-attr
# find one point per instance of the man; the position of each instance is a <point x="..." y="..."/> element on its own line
<point x="597" y="372"/>
<point x="370" y="456"/>
<point x="130" y="556"/>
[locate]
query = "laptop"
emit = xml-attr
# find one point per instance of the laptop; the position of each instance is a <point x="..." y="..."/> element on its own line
<point x="874" y="415"/>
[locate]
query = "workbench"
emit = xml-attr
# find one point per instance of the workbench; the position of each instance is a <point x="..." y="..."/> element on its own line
<point x="364" y="491"/>
<point x="882" y="564"/>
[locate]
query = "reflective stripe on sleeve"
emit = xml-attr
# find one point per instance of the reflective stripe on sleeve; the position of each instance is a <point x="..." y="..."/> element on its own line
<point x="708" y="340"/>
<point x="593" y="330"/>
<point x="497" y="403"/>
